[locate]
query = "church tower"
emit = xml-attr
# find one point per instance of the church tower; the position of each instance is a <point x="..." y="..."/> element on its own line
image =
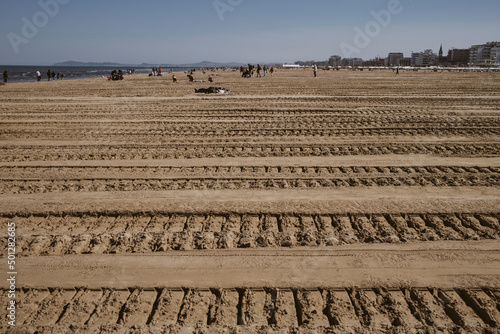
<point x="441" y="60"/>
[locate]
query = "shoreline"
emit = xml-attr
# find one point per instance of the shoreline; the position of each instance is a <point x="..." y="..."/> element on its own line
<point x="72" y="79"/>
<point x="28" y="72"/>
<point x="387" y="73"/>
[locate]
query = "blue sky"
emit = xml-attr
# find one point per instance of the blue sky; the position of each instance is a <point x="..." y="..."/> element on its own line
<point x="186" y="31"/>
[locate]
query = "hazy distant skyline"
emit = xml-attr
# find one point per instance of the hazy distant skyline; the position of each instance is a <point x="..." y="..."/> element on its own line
<point x="190" y="31"/>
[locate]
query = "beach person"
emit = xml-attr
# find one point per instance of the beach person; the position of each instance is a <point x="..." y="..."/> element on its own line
<point x="212" y="90"/>
<point x="397" y="70"/>
<point x="5" y="76"/>
<point x="53" y="75"/>
<point x="265" y="70"/>
<point x="58" y="76"/>
<point x="191" y="79"/>
<point x="174" y="78"/>
<point x="62" y="76"/>
<point x="315" y="69"/>
<point x="271" y="70"/>
<point x="48" y="75"/>
<point x="38" y="75"/>
<point x="258" y="71"/>
<point x="250" y="70"/>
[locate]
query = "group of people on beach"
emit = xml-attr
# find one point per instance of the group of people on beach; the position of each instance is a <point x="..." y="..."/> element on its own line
<point x="116" y="75"/>
<point x="191" y="77"/>
<point x="250" y="71"/>
<point x="50" y="74"/>
<point x="38" y="76"/>
<point x="156" y="72"/>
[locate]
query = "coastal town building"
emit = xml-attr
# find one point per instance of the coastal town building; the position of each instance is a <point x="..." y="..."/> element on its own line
<point x="376" y="62"/>
<point x="484" y="54"/>
<point x="495" y="55"/>
<point x="394" y="59"/>
<point x="335" y="61"/>
<point x="424" y="59"/>
<point x="458" y="57"/>
<point x="352" y="62"/>
<point x="480" y="55"/>
<point x="406" y="61"/>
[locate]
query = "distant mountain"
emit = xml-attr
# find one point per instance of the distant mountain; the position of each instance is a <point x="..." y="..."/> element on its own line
<point x="108" y="64"/>
<point x="208" y="64"/>
<point x="79" y="63"/>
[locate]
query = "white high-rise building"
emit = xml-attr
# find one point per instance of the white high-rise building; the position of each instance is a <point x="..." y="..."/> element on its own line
<point x="335" y="61"/>
<point x="484" y="54"/>
<point x="495" y="55"/>
<point x="394" y="59"/>
<point x="423" y="59"/>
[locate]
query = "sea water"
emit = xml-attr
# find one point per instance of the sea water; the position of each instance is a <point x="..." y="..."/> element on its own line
<point x="28" y="73"/>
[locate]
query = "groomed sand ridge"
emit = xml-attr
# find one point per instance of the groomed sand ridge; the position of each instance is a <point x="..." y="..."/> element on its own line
<point x="354" y="202"/>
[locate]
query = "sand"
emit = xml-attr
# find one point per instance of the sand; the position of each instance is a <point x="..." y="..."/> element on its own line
<point x="353" y="202"/>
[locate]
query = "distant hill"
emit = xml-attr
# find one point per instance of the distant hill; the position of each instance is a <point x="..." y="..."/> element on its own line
<point x="79" y="63"/>
<point x="207" y="64"/>
<point x="108" y="64"/>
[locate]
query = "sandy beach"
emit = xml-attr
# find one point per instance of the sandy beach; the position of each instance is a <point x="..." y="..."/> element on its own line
<point x="354" y="202"/>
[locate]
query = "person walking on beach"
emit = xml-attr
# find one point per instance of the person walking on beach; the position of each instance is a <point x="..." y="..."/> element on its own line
<point x="397" y="70"/>
<point x="271" y="70"/>
<point x="250" y="70"/>
<point x="38" y="75"/>
<point x="258" y="71"/>
<point x="315" y="70"/>
<point x="62" y="76"/>
<point x="48" y="75"/>
<point x="53" y="75"/>
<point x="5" y="76"/>
<point x="265" y="70"/>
